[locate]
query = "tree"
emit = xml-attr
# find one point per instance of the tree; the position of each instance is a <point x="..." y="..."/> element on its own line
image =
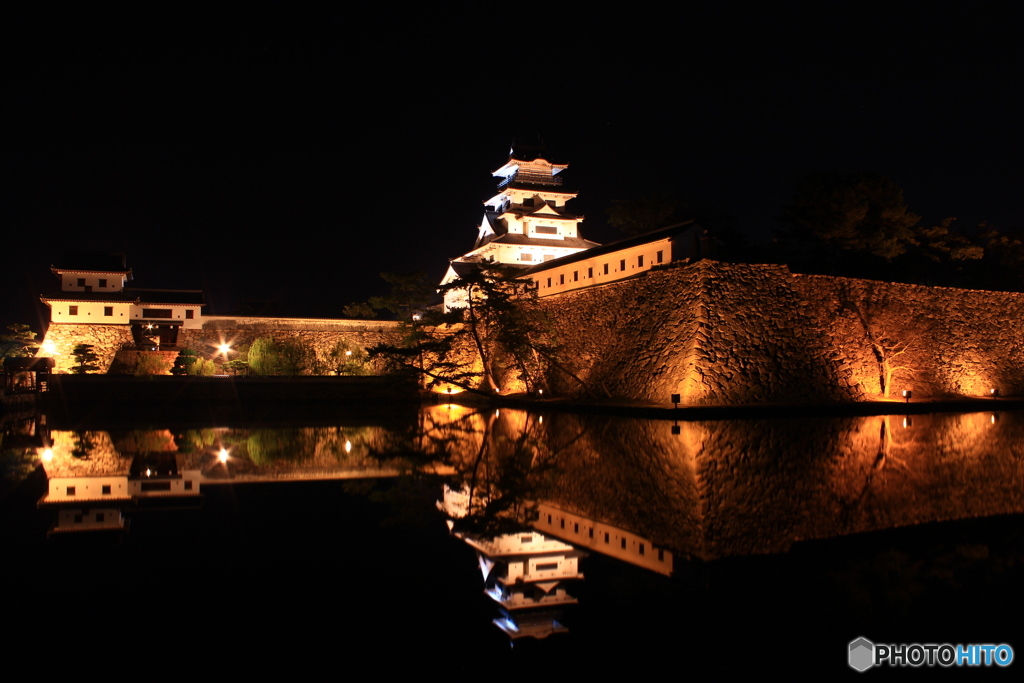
<point x="202" y="367"/>
<point x="879" y="315"/>
<point x="502" y="322"/>
<point x="18" y="342"/>
<point x="637" y="216"/>
<point x="359" y="311"/>
<point x="410" y="294"/>
<point x="186" y="358"/>
<point x="264" y="358"/>
<point x="863" y="213"/>
<point x="151" y="364"/>
<point x="86" y="358"/>
<point x="347" y="359"/>
<point x="289" y="357"/>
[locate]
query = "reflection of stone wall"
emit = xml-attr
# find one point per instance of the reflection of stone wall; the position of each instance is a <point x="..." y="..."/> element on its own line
<point x="723" y="488"/>
<point x="107" y="340"/>
<point x="738" y="333"/>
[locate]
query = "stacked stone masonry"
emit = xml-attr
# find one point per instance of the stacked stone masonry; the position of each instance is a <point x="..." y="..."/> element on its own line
<point x="717" y="333"/>
<point x="720" y="333"/>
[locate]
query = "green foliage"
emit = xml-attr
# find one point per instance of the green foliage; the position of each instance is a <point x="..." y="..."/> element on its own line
<point x="637" y="216"/>
<point x="185" y="359"/>
<point x="263" y="357"/>
<point x="864" y="212"/>
<point x="289" y="357"/>
<point x="348" y="359"/>
<point x="151" y="364"/>
<point x="202" y="368"/>
<point x="86" y="359"/>
<point x="502" y="322"/>
<point x="359" y="311"/>
<point x="410" y="293"/>
<point x="18" y="342"/>
<point x="237" y="367"/>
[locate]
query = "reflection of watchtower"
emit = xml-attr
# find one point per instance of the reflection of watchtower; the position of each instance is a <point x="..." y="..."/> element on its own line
<point x="92" y="482"/>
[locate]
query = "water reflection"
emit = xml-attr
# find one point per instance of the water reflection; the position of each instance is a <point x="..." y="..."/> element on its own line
<point x="635" y="489"/>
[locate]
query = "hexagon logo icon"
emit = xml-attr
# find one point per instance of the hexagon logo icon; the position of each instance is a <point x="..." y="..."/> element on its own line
<point x="862" y="654"/>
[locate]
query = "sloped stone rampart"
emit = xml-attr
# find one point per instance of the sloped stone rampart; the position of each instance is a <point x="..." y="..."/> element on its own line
<point x="721" y="333"/>
<point x="107" y="340"/>
<point x="959" y="342"/>
<point x="716" y="333"/>
<point x="712" y="332"/>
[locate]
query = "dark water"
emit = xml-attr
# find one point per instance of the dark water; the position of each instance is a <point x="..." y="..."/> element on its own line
<point x="700" y="546"/>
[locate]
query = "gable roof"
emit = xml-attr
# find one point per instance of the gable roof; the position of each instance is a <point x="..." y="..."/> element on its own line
<point x="91" y="262"/>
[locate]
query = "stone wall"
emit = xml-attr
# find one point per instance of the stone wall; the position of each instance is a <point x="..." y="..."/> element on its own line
<point x="958" y="342"/>
<point x="716" y="333"/>
<point x="319" y="334"/>
<point x="107" y="340"/>
<point x="721" y="333"/>
<point x="712" y="332"/>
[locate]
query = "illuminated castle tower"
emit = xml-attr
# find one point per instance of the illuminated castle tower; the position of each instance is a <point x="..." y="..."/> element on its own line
<point x="525" y="223"/>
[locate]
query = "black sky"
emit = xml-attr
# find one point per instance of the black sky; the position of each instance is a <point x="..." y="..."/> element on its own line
<point x="295" y="157"/>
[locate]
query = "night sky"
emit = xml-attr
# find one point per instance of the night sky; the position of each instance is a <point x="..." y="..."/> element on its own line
<point x="295" y="157"/>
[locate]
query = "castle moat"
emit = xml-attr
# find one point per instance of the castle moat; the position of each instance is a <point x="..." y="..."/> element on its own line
<point x="582" y="541"/>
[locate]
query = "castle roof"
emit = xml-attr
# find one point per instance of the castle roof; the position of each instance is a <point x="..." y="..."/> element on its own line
<point x="568" y="242"/>
<point x="625" y="243"/>
<point x="91" y="262"/>
<point x="185" y="297"/>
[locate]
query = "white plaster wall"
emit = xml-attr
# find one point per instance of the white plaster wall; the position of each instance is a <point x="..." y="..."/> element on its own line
<point x="562" y="278"/>
<point x="177" y="313"/>
<point x="69" y="282"/>
<point x="90" y="312"/>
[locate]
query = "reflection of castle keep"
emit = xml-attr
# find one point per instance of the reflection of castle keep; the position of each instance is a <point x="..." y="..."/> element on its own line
<point x="523" y="573"/>
<point x="526" y="222"/>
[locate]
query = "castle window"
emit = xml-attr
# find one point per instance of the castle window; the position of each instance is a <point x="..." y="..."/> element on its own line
<point x="661" y="256"/>
<point x="640" y="261"/>
<point x="81" y="282"/>
<point x="561" y="279"/>
<point x="606" y="269"/>
<point x="590" y="272"/>
<point x="189" y="314"/>
<point x="525" y="257"/>
<point x="575" y="276"/>
<point x="72" y="310"/>
<point x="622" y="264"/>
<point x="108" y="310"/>
<point x="156" y="313"/>
<point x="548" y="257"/>
<point x="71" y="490"/>
<point x="106" y="489"/>
<point x="103" y="282"/>
<point x="549" y="282"/>
<point x="545" y="230"/>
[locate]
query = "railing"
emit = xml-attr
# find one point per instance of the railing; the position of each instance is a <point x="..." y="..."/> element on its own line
<point x="527" y="177"/>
